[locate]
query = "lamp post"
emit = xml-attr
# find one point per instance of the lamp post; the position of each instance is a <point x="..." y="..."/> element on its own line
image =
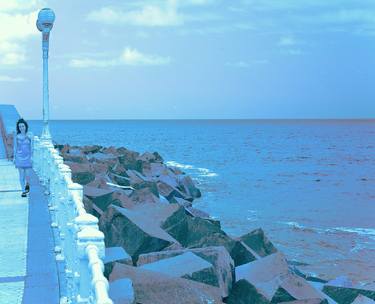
<point x="46" y="17"/>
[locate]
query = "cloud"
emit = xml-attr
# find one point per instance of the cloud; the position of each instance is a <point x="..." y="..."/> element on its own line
<point x="245" y="64"/>
<point x="5" y="78"/>
<point x="19" y="5"/>
<point x="17" y="24"/>
<point x="287" y="41"/>
<point x="129" y="56"/>
<point x="289" y="45"/>
<point x="153" y="13"/>
<point x="311" y="16"/>
<point x="149" y="15"/>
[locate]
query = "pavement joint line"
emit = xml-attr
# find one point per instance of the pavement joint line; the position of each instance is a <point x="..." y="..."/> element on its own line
<point x="12" y="279"/>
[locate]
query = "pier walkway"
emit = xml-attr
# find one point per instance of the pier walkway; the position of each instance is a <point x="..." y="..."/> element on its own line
<point x="51" y="249"/>
<point x="28" y="270"/>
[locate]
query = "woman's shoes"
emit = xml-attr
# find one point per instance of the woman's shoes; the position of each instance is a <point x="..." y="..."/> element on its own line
<point x="23" y="194"/>
<point x="27" y="188"/>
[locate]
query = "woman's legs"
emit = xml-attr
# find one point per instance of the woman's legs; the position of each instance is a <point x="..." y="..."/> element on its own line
<point x="27" y="179"/>
<point x="22" y="178"/>
<point x="27" y="176"/>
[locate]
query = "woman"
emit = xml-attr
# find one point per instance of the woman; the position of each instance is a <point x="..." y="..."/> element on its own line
<point x="23" y="149"/>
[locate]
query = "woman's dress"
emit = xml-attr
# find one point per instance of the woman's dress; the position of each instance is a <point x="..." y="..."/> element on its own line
<point x="23" y="153"/>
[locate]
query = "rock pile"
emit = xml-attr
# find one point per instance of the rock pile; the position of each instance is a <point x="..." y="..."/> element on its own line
<point x="174" y="253"/>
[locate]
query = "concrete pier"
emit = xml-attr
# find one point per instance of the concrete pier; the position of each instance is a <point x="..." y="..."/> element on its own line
<point x="28" y="270"/>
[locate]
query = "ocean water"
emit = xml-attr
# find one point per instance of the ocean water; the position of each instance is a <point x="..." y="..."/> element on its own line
<point x="310" y="184"/>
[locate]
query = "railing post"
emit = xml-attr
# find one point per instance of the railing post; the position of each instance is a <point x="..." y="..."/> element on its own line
<point x="87" y="233"/>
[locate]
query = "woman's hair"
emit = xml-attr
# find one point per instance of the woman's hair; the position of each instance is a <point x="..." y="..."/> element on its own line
<point x="21" y="120"/>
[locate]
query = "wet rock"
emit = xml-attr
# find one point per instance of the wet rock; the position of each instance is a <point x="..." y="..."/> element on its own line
<point x="144" y="196"/>
<point x="308" y="301"/>
<point x="150" y="157"/>
<point x="172" y="194"/>
<point x="217" y="256"/>
<point x="115" y="254"/>
<point x="258" y="242"/>
<point x="186" y="265"/>
<point x="344" y="295"/>
<point x="136" y="177"/>
<point x="195" y="232"/>
<point x="120" y="179"/>
<point x="189" y="187"/>
<point x="363" y="300"/>
<point x="101" y="198"/>
<point x="244" y="292"/>
<point x="271" y="279"/>
<point x="169" y="178"/>
<point x="138" y="230"/>
<point x="81" y="173"/>
<point x="91" y="149"/>
<point x="156" y="288"/>
<point x="342" y="281"/>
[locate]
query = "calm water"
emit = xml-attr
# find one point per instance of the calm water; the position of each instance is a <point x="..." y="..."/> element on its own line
<point x="309" y="184"/>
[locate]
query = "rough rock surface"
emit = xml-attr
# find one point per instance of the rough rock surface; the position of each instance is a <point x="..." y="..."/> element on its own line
<point x="217" y="256"/>
<point x="269" y="279"/>
<point x="137" y="230"/>
<point x="156" y="288"/>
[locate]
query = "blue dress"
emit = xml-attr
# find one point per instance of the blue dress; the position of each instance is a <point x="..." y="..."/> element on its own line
<point x="23" y="153"/>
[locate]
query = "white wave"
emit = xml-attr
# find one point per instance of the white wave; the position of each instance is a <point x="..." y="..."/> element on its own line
<point x="206" y="172"/>
<point x="293" y="224"/>
<point x="173" y="163"/>
<point x="200" y="172"/>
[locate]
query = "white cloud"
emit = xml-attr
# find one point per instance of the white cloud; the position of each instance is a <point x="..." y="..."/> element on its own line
<point x="5" y="78"/>
<point x="129" y="56"/>
<point x="289" y="45"/>
<point x="148" y="15"/>
<point x="17" y="24"/>
<point x="246" y="64"/>
<point x="153" y="13"/>
<point x="287" y="41"/>
<point x="133" y="57"/>
<point x="19" y="5"/>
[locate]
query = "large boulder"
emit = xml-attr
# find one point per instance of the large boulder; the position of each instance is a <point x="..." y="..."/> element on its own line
<point x="101" y="198"/>
<point x="157" y="288"/>
<point x="258" y="242"/>
<point x="115" y="254"/>
<point x="186" y="265"/>
<point x="187" y="184"/>
<point x="345" y="295"/>
<point x="363" y="300"/>
<point x="137" y="230"/>
<point x="270" y="280"/>
<point x="82" y="173"/>
<point x="196" y="232"/>
<point x="218" y="257"/>
<point x="91" y="149"/>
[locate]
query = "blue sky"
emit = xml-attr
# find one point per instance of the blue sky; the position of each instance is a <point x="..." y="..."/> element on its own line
<point x="192" y="59"/>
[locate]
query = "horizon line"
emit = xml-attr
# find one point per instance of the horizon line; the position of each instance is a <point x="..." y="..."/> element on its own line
<point x="213" y="119"/>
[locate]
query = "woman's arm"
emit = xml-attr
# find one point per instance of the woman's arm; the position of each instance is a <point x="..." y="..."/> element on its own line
<point x="32" y="144"/>
<point x="14" y="146"/>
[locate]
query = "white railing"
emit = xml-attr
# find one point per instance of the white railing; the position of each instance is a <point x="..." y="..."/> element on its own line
<point x="79" y="243"/>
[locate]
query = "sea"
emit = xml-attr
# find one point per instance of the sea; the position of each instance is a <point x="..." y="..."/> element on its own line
<point x="309" y="184"/>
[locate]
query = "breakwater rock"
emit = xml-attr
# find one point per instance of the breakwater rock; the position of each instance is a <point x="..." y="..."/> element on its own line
<point x="174" y="253"/>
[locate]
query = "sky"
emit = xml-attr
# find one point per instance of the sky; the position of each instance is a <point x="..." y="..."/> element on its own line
<point x="192" y="59"/>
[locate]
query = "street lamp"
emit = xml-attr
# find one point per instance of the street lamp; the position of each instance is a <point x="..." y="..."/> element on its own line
<point x="46" y="17"/>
